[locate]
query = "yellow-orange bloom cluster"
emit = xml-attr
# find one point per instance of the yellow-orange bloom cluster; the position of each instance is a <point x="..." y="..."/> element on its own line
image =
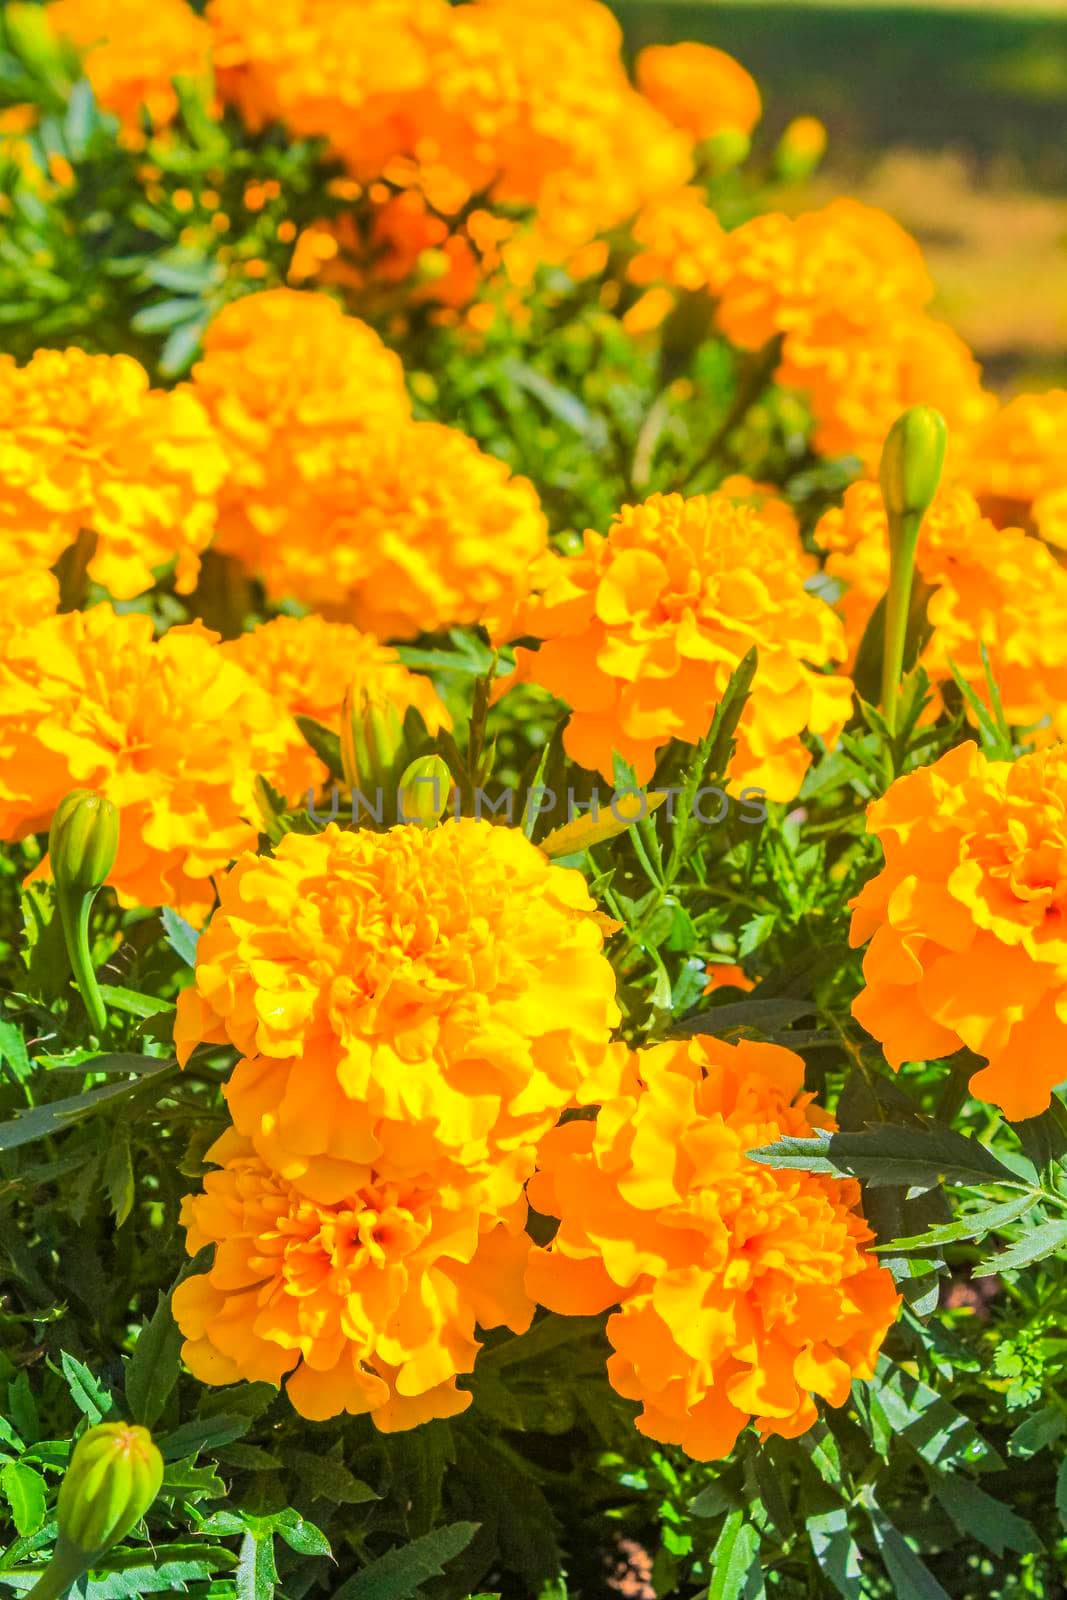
<point x="369" y="1302"/>
<point x="133" y="52"/>
<point x="845" y="289"/>
<point x="991" y="586"/>
<point x="167" y="729"/>
<point x="441" y="988"/>
<point x="524" y="102"/>
<point x="307" y="664"/>
<point x="87" y="446"/>
<point x="966" y="922"/>
<point x="414" y="1011"/>
<point x="743" y="1291"/>
<point x="1018" y="465"/>
<point x="703" y="90"/>
<point x="336" y="498"/>
<point x="642" y="631"/>
<point x="680" y="242"/>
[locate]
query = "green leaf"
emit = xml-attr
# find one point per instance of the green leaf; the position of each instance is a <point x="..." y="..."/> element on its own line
<point x="939" y="1433"/>
<point x="135" y="1005"/>
<point x="1061" y="1491"/>
<point x="892" y="1155"/>
<point x="910" y="1578"/>
<point x="836" y="1552"/>
<point x="25" y="1492"/>
<point x="1046" y="1240"/>
<point x="582" y="833"/>
<point x="1038" y="1432"/>
<point x="152" y="1370"/>
<point x="13" y="1051"/>
<point x="59" y="1115"/>
<point x="325" y="743"/>
<point x="981" y="1516"/>
<point x="972" y="1226"/>
<point x="299" y="1534"/>
<point x="735" y="1554"/>
<point x="210" y="1434"/>
<point x="89" y="1395"/>
<point x="184" y="1481"/>
<point x="256" y="1576"/>
<point x="327" y="1478"/>
<point x="181" y="935"/>
<point x="118" y="1175"/>
<point x="401" y="1572"/>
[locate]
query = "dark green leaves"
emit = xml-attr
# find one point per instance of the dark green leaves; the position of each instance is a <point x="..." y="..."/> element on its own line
<point x="152" y="1370"/>
<point x="892" y="1155"/>
<point x="401" y="1573"/>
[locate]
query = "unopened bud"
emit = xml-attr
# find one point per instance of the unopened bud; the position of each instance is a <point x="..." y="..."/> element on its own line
<point x="726" y="150"/>
<point x="423" y="791"/>
<point x="114" y="1475"/>
<point x="83" y="841"/>
<point x="912" y="459"/>
<point x="800" y="149"/>
<point x="372" y="738"/>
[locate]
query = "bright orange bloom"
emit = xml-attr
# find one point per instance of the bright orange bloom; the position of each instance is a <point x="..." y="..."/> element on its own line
<point x="1018" y="465"/>
<point x="369" y="1302"/>
<point x="308" y="664"/>
<point x="643" y="630"/>
<point x="682" y="242"/>
<point x="743" y="1291"/>
<point x="965" y="922"/>
<point x="167" y="729"/>
<point x="992" y="586"/>
<point x="134" y="51"/>
<point x="700" y="89"/>
<point x="725" y="976"/>
<point x="336" y="498"/>
<point x="398" y="993"/>
<point x="85" y="444"/>
<point x="846" y="289"/>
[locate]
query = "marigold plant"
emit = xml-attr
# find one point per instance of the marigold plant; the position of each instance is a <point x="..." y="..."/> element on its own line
<point x="698" y="88"/>
<point x="369" y="1303"/>
<point x="964" y="922"/>
<point x="169" y="730"/>
<point x="642" y="631"/>
<point x="743" y="1292"/>
<point x="88" y="447"/>
<point x="132" y="53"/>
<point x="1017" y="466"/>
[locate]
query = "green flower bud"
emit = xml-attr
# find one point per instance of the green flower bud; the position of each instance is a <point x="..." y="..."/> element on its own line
<point x="424" y="790"/>
<point x="372" y="740"/>
<point x="912" y="459"/>
<point x="83" y="841"/>
<point x="800" y="149"/>
<point x="113" y="1477"/>
<point x="725" y="150"/>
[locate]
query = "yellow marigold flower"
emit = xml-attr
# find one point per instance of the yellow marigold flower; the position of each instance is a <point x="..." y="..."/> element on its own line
<point x="992" y="586"/>
<point x="308" y="664"/>
<point x="682" y="242"/>
<point x="85" y="444"/>
<point x="1018" y="465"/>
<point x="642" y="631"/>
<point x="744" y="1292"/>
<point x="703" y="90"/>
<point x="369" y="1302"/>
<point x="846" y="289"/>
<point x="965" y="922"/>
<point x="167" y="729"/>
<point x="133" y="52"/>
<point x="438" y="988"/>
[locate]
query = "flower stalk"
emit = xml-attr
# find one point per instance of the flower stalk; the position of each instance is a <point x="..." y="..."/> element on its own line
<point x="82" y="846"/>
<point x="912" y="459"/>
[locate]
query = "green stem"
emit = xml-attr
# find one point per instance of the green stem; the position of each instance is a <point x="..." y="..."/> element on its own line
<point x="903" y="537"/>
<point x="64" y="1570"/>
<point x="755" y="376"/>
<point x="74" y="916"/>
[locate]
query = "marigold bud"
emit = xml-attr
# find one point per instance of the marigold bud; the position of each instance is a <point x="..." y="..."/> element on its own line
<point x="114" y="1475"/>
<point x="83" y="841"/>
<point x="423" y="791"/>
<point x="727" y="149"/>
<point x="372" y="739"/>
<point x="800" y="149"/>
<point x="912" y="459"/>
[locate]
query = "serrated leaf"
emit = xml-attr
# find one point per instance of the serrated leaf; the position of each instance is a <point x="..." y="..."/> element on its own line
<point x="911" y="1578"/>
<point x="891" y="1155"/>
<point x="735" y="1554"/>
<point x="400" y="1573"/>
<point x="1046" y="1240"/>
<point x="13" y="1051"/>
<point x="981" y="1515"/>
<point x="132" y="1003"/>
<point x="1038" y="1432"/>
<point x="182" y="937"/>
<point x="210" y="1434"/>
<point x="185" y="1481"/>
<point x="973" y="1226"/>
<point x="256" y="1577"/>
<point x="24" y="1490"/>
<point x="836" y="1552"/>
<point x="89" y="1395"/>
<point x="582" y="833"/>
<point x="118" y="1175"/>
<point x="939" y="1433"/>
<point x="152" y="1370"/>
<point x="300" y="1534"/>
<point x="325" y="743"/>
<point x="59" y="1115"/>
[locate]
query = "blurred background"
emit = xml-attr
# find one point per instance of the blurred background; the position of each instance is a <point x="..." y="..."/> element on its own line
<point x="951" y="116"/>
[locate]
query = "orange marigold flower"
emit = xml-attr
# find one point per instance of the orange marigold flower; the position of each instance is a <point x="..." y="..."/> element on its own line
<point x="369" y="1302"/>
<point x="167" y="729"/>
<point x="308" y="664"/>
<point x="336" y="498"/>
<point x="743" y="1291"/>
<point x="442" y="988"/>
<point x="682" y="242"/>
<point x="133" y="52"/>
<point x="1018" y="465"/>
<point x="86" y="445"/>
<point x="703" y="90"/>
<point x="965" y="922"/>
<point x="992" y="587"/>
<point x="643" y="630"/>
<point x="725" y="976"/>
